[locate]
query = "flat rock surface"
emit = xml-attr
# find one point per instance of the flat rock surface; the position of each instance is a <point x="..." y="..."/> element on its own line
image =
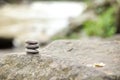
<point x="65" y="60"/>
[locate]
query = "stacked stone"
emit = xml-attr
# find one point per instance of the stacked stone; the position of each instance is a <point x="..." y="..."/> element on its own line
<point x="31" y="47"/>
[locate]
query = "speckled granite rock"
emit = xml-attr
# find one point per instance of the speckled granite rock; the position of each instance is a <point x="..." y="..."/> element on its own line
<point x="65" y="60"/>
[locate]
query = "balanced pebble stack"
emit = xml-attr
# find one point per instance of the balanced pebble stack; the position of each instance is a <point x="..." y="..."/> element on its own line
<point x="31" y="47"/>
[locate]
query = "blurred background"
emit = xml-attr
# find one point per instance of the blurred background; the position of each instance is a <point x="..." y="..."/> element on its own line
<point x="49" y="20"/>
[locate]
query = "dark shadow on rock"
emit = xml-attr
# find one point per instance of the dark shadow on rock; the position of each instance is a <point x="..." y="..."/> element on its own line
<point x="6" y="43"/>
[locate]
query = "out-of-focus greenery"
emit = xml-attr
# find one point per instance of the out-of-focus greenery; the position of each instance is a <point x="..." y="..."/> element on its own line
<point x="104" y="26"/>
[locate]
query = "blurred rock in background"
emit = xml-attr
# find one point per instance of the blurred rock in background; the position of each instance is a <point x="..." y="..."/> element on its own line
<point x="38" y="20"/>
<point x="50" y="20"/>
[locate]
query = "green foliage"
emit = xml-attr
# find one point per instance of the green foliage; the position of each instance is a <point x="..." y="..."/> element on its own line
<point x="104" y="26"/>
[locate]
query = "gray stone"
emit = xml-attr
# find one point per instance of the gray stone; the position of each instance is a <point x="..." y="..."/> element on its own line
<point x="32" y="42"/>
<point x="35" y="46"/>
<point x="65" y="60"/>
<point x="30" y="51"/>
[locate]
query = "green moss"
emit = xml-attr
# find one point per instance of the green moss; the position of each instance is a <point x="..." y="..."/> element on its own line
<point x="104" y="26"/>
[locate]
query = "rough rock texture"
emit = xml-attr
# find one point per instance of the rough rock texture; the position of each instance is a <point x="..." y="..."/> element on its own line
<point x="65" y="60"/>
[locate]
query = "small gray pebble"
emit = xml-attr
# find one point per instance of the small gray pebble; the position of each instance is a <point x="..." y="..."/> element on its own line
<point x="29" y="51"/>
<point x="36" y="46"/>
<point x="32" y="42"/>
